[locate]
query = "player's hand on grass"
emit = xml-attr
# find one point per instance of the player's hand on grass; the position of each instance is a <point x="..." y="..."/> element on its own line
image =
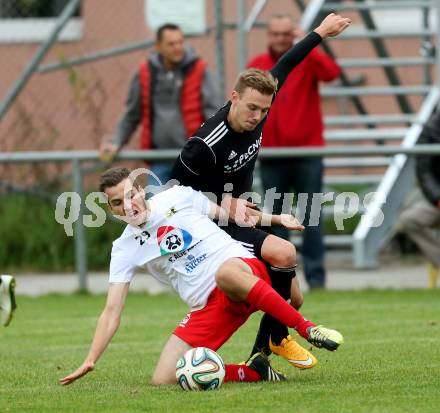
<point x="332" y="25"/>
<point x="85" y="368"/>
<point x="290" y="222"/>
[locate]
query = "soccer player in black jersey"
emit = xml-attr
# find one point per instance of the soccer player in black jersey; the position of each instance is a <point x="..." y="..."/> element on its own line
<point x="220" y="157"/>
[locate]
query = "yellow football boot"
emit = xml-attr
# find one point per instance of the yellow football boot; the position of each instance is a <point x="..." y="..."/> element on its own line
<point x="296" y="355"/>
<point x="322" y="337"/>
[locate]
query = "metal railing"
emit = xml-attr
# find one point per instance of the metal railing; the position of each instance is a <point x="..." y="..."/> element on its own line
<point x="35" y="65"/>
<point x="64" y="18"/>
<point x="77" y="157"/>
<point x="367" y="240"/>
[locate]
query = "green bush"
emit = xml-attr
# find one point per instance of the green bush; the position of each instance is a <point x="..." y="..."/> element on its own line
<point x="350" y="225"/>
<point x="31" y="239"/>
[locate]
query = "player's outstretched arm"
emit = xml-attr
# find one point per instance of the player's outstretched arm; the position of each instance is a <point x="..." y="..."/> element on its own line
<point x="107" y="326"/>
<point x="238" y="211"/>
<point x="286" y="220"/>
<point x="86" y="367"/>
<point x="332" y="25"/>
<point x="232" y="210"/>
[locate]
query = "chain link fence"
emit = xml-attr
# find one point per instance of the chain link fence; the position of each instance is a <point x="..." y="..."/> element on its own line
<point x="73" y="106"/>
<point x="31" y="8"/>
<point x="66" y="105"/>
<point x="78" y="91"/>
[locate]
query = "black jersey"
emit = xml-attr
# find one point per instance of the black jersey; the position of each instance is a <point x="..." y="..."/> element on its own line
<point x="217" y="155"/>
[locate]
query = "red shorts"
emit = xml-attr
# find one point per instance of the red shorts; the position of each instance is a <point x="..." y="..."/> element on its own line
<point x="220" y="318"/>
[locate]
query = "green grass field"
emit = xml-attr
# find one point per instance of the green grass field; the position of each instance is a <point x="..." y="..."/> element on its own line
<point x="389" y="363"/>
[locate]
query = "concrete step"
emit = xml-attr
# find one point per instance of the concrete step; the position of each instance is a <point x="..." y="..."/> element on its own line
<point x="355" y="33"/>
<point x="329" y="240"/>
<point x="352" y="179"/>
<point x="395" y="61"/>
<point x="331" y="210"/>
<point x="374" y="90"/>
<point x="369" y="119"/>
<point x="335" y="180"/>
<point x="379" y="161"/>
<point x="408" y="4"/>
<point x="365" y="134"/>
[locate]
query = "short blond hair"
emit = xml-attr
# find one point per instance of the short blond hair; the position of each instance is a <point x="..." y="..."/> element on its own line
<point x="260" y="80"/>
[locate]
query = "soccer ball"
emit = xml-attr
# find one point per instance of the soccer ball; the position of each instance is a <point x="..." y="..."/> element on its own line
<point x="200" y="369"/>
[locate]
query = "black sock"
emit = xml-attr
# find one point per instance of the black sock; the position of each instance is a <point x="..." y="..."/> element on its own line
<point x="262" y="339"/>
<point x="281" y="279"/>
<point x="281" y="283"/>
<point x="270" y="327"/>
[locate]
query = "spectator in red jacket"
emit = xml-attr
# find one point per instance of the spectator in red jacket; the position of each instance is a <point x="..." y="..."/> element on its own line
<point x="295" y="119"/>
<point x="171" y="95"/>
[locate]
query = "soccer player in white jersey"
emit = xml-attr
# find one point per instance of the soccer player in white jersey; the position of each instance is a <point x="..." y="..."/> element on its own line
<point x="171" y="237"/>
<point x="222" y="154"/>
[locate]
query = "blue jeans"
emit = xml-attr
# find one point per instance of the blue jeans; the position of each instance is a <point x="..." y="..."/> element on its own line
<point x="299" y="175"/>
<point x="161" y="174"/>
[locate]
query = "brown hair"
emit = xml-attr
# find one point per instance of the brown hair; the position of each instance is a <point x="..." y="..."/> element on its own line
<point x="260" y="80"/>
<point x="283" y="16"/>
<point x="166" y="26"/>
<point x="112" y="177"/>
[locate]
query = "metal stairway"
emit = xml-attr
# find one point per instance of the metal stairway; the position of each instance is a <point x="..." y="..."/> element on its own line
<point x="372" y="47"/>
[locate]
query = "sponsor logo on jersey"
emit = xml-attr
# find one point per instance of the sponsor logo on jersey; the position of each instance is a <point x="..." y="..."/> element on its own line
<point x="232" y="155"/>
<point x="244" y="157"/>
<point x="171" y="239"/>
<point x="177" y="255"/>
<point x="193" y="262"/>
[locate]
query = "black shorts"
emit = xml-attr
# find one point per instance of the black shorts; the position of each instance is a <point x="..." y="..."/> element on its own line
<point x="251" y="238"/>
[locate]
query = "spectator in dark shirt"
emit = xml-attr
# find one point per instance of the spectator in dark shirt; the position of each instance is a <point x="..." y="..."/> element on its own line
<point x="295" y="120"/>
<point x="221" y="156"/>
<point x="419" y="219"/>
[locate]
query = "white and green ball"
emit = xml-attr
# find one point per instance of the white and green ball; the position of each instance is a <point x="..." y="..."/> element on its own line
<point x="200" y="369"/>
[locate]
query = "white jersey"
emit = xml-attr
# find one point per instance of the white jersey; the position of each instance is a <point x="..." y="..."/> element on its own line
<point x="179" y="245"/>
